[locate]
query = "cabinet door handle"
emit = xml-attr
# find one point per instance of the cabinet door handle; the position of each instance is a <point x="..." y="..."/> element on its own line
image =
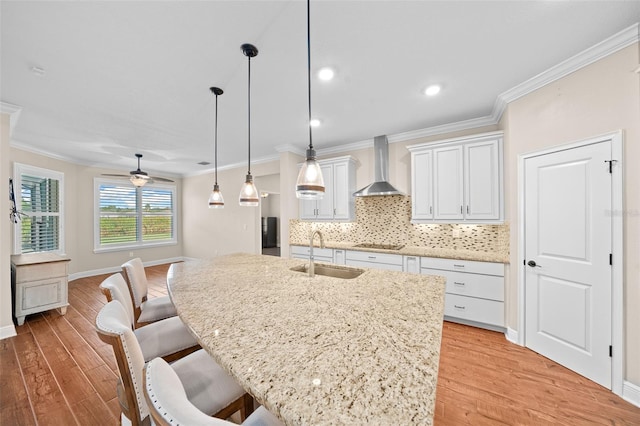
<point x="334" y="211"/>
<point x="459" y="307"/>
<point x="430" y="209"/>
<point x="457" y="283"/>
<point x="467" y="209"/>
<point x="460" y="209"/>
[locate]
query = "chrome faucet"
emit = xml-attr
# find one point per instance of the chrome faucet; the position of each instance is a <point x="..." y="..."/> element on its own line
<point x="312" y="271"/>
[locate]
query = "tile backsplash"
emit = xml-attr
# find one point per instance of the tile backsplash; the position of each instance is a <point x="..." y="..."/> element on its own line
<point x="387" y="220"/>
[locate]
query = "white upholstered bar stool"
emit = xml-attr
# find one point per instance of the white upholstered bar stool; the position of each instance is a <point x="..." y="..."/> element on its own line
<point x="145" y="310"/>
<point x="168" y="338"/>
<point x="171" y="404"/>
<point x="207" y="385"/>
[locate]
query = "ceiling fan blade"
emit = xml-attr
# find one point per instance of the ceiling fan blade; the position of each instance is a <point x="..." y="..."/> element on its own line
<point x="161" y="179"/>
<point x="114" y="175"/>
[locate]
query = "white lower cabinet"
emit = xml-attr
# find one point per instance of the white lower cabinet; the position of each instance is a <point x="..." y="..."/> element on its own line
<point x="339" y="256"/>
<point x="368" y="259"/>
<point x="474" y="292"/>
<point x="41" y="284"/>
<point x="411" y="264"/>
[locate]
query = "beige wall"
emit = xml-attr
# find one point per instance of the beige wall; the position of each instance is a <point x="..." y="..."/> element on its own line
<point x="79" y="219"/>
<point x="600" y="98"/>
<point x="214" y="232"/>
<point x="6" y="323"/>
<point x="288" y="202"/>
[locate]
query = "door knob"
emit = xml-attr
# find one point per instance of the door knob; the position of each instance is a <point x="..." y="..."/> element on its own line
<point x="533" y="264"/>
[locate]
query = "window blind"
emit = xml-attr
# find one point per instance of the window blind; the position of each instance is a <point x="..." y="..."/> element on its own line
<point x="40" y="202"/>
<point x="118" y="214"/>
<point x="129" y="216"/>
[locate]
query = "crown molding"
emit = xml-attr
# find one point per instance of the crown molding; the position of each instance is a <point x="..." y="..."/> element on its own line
<point x="290" y="148"/>
<point x="14" y="114"/>
<point x="616" y="42"/>
<point x="444" y="128"/>
<point x="24" y="146"/>
<point x="354" y="146"/>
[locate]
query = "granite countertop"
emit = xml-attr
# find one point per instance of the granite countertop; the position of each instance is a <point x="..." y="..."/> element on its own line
<point x="448" y="253"/>
<point x="322" y="350"/>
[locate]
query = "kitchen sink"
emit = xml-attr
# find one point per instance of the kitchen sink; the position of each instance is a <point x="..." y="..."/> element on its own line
<point x="342" y="272"/>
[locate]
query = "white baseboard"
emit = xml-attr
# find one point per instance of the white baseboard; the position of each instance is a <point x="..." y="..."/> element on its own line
<point x="512" y="335"/>
<point x="631" y="393"/>
<point x="114" y="269"/>
<point x="7" y="331"/>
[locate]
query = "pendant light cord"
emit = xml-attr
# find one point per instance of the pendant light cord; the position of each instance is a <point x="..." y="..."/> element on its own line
<point x="309" y="70"/>
<point x="215" y="157"/>
<point x="249" y="115"/>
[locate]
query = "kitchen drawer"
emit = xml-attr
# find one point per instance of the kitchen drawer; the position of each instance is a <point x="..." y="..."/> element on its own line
<point x="474" y="285"/>
<point x="317" y="253"/>
<point x="487" y="268"/>
<point x="34" y="272"/>
<point x="473" y="309"/>
<point x="375" y="265"/>
<point x="369" y="256"/>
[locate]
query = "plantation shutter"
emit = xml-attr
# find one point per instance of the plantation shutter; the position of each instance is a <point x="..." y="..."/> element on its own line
<point x="40" y="202"/>
<point x="157" y="214"/>
<point x="118" y="214"/>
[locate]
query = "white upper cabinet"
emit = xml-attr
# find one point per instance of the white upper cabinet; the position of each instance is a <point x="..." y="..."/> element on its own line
<point x="483" y="179"/>
<point x="458" y="180"/>
<point x="447" y="183"/>
<point x="422" y="175"/>
<point x="338" y="203"/>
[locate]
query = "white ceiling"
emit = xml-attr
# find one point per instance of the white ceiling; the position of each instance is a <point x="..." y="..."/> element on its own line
<point x="125" y="77"/>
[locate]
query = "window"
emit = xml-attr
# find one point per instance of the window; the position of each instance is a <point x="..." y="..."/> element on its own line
<point x="39" y="196"/>
<point x="128" y="217"/>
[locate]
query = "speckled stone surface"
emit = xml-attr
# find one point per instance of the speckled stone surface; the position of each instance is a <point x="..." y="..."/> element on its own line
<point x="387" y="220"/>
<point x="318" y="351"/>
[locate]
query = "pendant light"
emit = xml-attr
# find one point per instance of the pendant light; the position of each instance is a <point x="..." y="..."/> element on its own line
<point x="249" y="193"/>
<point x="310" y="183"/>
<point x="216" y="201"/>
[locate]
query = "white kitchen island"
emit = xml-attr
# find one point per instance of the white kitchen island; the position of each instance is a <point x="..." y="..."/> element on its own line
<point x="322" y="350"/>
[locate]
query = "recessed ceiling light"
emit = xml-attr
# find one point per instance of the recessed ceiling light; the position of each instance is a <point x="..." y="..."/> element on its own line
<point x="432" y="90"/>
<point x="314" y="122"/>
<point x="326" y="74"/>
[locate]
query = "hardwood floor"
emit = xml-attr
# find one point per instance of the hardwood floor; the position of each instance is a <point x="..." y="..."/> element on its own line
<point x="57" y="371"/>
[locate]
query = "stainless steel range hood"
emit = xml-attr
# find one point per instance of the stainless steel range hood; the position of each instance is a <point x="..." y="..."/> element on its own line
<point x="381" y="165"/>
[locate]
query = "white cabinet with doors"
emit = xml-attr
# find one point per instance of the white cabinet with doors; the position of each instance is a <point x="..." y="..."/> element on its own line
<point x="40" y="283"/>
<point x="338" y="202"/>
<point x="458" y="180"/>
<point x="411" y="264"/>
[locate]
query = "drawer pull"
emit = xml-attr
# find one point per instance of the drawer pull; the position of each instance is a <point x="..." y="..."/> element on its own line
<point x="371" y="257"/>
<point x="457" y="283"/>
<point x="459" y="307"/>
<point x="458" y="266"/>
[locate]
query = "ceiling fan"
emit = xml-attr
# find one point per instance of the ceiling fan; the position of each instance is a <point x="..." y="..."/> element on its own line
<point x="138" y="177"/>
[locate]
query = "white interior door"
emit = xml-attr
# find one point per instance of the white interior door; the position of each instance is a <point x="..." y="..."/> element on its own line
<point x="567" y="246"/>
